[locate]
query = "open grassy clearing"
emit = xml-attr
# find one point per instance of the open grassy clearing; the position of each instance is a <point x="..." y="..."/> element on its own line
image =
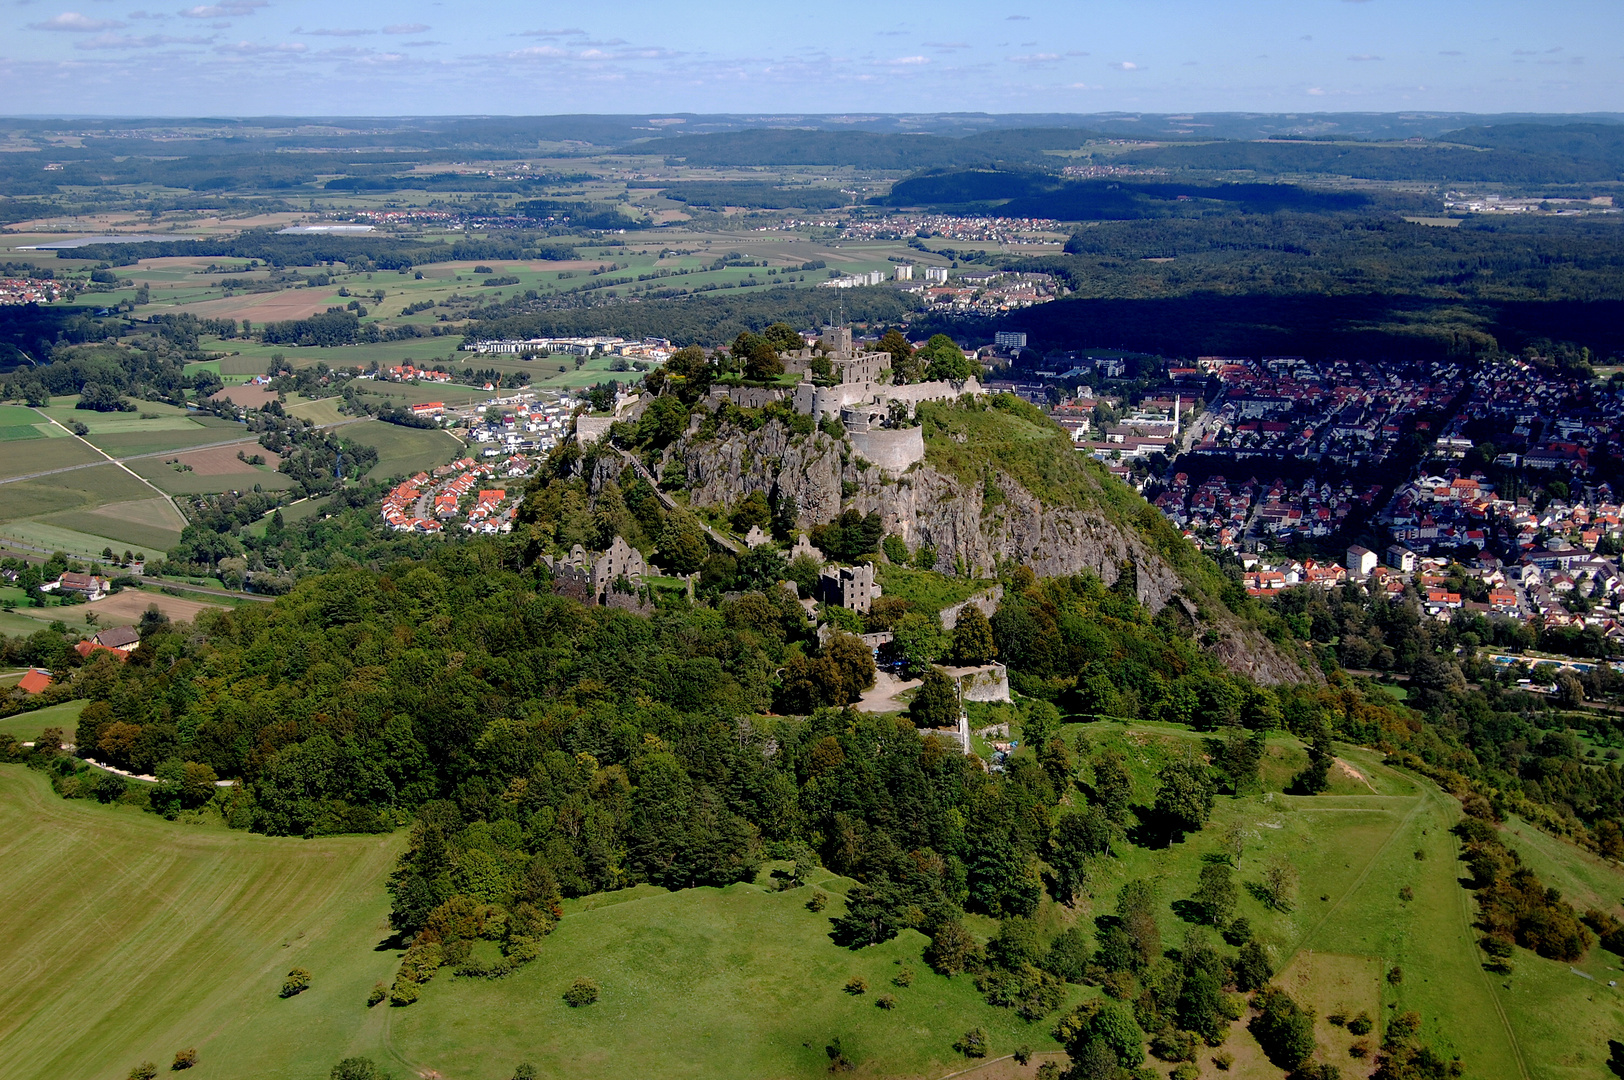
<point x="735" y="982"/>
<point x="26" y="727"/>
<point x="17" y="422"/>
<point x="148" y="937"/>
<point x="1355" y="850"/>
<point x="319" y="411"/>
<point x="403" y="451"/>
<point x="13" y="624"/>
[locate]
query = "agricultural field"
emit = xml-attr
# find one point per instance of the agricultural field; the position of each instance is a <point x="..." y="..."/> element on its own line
<point x="18" y="422"/>
<point x="217" y="469"/>
<point x="126" y="606"/>
<point x="26" y="456"/>
<point x="84" y="510"/>
<point x="403" y="451"/>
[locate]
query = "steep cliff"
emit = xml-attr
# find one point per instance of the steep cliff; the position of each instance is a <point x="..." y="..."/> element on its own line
<point x="1000" y="484"/>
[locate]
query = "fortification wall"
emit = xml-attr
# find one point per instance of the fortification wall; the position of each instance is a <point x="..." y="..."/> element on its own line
<point x="892" y="449"/>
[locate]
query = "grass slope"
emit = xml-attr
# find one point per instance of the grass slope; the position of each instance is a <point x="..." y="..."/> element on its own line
<point x="145" y="937"/>
<point x="736" y="982"/>
<point x="403" y="451"/>
<point x="26" y="726"/>
<point x="1354" y="850"/>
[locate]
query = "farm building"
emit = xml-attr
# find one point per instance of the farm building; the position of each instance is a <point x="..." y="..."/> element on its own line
<point x="35" y="681"/>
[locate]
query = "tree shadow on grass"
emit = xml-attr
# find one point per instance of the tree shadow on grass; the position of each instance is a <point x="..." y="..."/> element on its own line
<point x="1190" y="911"/>
<point x="393" y="943"/>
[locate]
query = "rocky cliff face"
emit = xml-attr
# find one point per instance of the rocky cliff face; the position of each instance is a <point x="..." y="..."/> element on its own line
<point x="973" y="526"/>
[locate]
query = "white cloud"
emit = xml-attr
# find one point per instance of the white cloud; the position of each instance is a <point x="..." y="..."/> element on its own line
<point x="1125" y="65"/>
<point x="1034" y="58"/>
<point x="407" y="28"/>
<point x="224" y="9"/>
<point x="908" y="61"/>
<point x="1363" y="57"/>
<point x="148" y="41"/>
<point x="249" y="48"/>
<point x="333" y="33"/>
<point x="74" y="23"/>
<point x="947" y="44"/>
<point x="1017" y="18"/>
<point x="1316" y="91"/>
<point x="552" y="33"/>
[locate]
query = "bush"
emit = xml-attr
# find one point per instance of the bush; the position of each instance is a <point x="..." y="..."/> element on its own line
<point x="1361" y="1024"/>
<point x="144" y="1071"/>
<point x="1223" y="1061"/>
<point x="1174" y="1045"/>
<point x="524" y="1071"/>
<point x="1360" y="1049"/>
<point x="972" y="1043"/>
<point x="184" y="1059"/>
<point x="404" y="992"/>
<point x="297" y="982"/>
<point x="1023" y="1054"/>
<point x="357" y="1068"/>
<point x="1395" y="975"/>
<point x="904" y="978"/>
<point x="379" y="992"/>
<point x="581" y="992"/>
<point x="886" y="1001"/>
<point x="819" y="901"/>
<point x="856" y="985"/>
<point x="1186" y="1071"/>
<point x="1316" y="1070"/>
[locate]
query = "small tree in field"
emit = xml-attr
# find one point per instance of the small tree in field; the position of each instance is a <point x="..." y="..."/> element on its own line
<point x="144" y="1071"/>
<point x="184" y="1059"/>
<point x="973" y="1043"/>
<point x="297" y="982"/>
<point x="1280" y="884"/>
<point x="581" y="992"/>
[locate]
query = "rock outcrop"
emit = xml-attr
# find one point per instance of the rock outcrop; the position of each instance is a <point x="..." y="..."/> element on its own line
<point x="974" y="527"/>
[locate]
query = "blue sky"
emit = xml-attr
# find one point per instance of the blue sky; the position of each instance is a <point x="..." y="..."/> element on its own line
<point x="358" y="57"/>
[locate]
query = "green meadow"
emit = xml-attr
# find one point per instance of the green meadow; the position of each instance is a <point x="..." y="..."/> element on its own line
<point x="178" y="935"/>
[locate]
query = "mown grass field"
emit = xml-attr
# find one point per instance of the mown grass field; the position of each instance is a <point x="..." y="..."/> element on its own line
<point x="26" y="727"/>
<point x="132" y="938"/>
<point x="193" y="926"/>
<point x="403" y="451"/>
